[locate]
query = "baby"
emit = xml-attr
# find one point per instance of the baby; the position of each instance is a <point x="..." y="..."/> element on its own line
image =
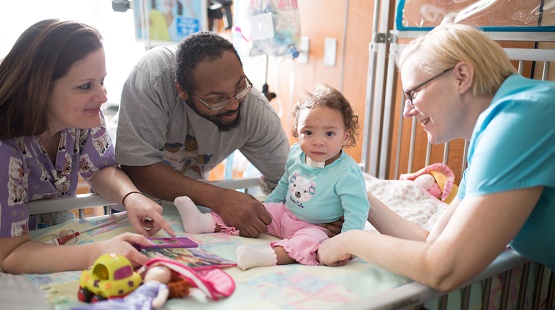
<point x="321" y="183"/>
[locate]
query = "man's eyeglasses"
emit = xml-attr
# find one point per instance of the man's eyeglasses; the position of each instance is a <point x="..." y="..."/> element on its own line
<point x="408" y="93"/>
<point x="219" y="105"/>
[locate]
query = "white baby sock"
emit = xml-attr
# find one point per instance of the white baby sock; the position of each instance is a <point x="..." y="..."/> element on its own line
<point x="248" y="257"/>
<point x="193" y="220"/>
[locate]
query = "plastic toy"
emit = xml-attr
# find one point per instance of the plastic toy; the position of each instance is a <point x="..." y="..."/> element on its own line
<point x="110" y="276"/>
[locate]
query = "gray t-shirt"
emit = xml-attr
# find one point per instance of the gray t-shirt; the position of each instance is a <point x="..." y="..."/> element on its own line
<point x="155" y="125"/>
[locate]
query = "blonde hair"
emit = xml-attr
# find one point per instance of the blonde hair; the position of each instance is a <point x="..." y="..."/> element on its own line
<point x="325" y="95"/>
<point x="448" y="44"/>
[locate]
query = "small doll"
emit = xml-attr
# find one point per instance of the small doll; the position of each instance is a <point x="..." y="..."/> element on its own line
<point x="437" y="179"/>
<point x="429" y="183"/>
<point x="160" y="284"/>
<point x="154" y="291"/>
<point x="213" y="282"/>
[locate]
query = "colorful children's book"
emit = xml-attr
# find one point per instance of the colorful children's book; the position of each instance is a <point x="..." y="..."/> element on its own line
<point x="192" y="257"/>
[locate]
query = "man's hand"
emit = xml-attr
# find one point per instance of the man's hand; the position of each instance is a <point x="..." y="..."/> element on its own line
<point x="245" y="213"/>
<point x="237" y="209"/>
<point x="334" y="227"/>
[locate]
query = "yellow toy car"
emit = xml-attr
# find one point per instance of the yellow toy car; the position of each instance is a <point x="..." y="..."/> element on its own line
<point x="111" y="276"/>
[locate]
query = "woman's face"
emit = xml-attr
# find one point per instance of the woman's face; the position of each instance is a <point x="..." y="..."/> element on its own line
<point x="434" y="104"/>
<point x="77" y="97"/>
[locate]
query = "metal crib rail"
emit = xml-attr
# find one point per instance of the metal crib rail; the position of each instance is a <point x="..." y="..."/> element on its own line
<point x="68" y="203"/>
<point x="523" y="286"/>
<point x="521" y="303"/>
<point x="414" y="293"/>
<point x="82" y="201"/>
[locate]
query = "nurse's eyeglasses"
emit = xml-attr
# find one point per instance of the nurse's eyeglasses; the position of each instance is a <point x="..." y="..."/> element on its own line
<point x="408" y="93"/>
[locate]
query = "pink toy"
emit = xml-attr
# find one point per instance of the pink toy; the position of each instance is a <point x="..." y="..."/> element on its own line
<point x="215" y="283"/>
<point x="428" y="183"/>
<point x="437" y="179"/>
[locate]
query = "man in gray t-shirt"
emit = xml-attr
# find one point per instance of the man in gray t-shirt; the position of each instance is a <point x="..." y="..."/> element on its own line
<point x="183" y="110"/>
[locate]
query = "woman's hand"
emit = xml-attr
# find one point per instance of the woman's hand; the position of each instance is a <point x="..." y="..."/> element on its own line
<point x="112" y="183"/>
<point x="332" y="252"/>
<point x="146" y="215"/>
<point x="126" y="245"/>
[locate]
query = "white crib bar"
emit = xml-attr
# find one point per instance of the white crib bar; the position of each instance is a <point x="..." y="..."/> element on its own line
<point x="82" y="201"/>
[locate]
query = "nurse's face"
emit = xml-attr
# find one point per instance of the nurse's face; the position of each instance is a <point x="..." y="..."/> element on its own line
<point x="77" y="97"/>
<point x="433" y="103"/>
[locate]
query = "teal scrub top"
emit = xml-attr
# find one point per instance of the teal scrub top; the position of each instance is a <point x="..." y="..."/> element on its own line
<point x="513" y="147"/>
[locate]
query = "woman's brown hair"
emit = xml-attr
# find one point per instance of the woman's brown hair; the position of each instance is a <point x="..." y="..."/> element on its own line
<point x="41" y="55"/>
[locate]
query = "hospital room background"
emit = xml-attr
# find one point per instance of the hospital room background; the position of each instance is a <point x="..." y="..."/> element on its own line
<point x="347" y="44"/>
<point x="334" y="41"/>
<point x="346" y="24"/>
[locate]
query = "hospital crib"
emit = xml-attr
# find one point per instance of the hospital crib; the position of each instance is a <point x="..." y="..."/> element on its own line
<point x="536" y="284"/>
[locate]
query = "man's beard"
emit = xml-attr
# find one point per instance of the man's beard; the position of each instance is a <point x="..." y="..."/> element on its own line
<point x="216" y="118"/>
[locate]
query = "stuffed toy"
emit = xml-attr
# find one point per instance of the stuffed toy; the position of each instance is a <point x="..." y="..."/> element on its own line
<point x="429" y="183"/>
<point x="437" y="179"/>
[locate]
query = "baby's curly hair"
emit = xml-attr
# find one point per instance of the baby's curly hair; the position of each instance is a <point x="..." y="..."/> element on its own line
<point x="330" y="97"/>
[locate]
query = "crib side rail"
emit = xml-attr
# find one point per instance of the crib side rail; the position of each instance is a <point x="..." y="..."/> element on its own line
<point x="80" y="201"/>
<point x="414" y="293"/>
<point x="89" y="200"/>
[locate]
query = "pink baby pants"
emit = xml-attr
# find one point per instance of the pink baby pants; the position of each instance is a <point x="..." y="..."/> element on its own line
<point x="300" y="239"/>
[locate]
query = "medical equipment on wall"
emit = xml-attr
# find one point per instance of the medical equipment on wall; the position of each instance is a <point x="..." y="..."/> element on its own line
<point x="490" y="15"/>
<point x="266" y="27"/>
<point x="270" y="27"/>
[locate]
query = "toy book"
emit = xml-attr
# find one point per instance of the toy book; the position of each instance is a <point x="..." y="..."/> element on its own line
<point x="195" y="257"/>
